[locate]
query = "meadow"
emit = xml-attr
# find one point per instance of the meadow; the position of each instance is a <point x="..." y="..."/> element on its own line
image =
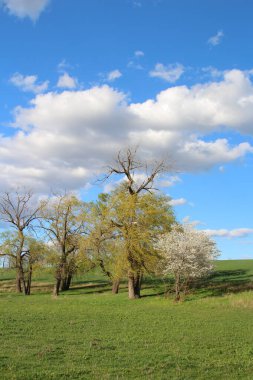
<point x="88" y="333"/>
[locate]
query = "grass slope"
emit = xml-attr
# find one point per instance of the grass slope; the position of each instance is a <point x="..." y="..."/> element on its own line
<point x="87" y="333"/>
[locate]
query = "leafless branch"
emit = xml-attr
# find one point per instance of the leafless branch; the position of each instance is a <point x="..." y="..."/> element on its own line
<point x="127" y="164"/>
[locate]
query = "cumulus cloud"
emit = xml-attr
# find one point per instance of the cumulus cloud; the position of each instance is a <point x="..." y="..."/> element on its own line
<point x="216" y="39"/>
<point x="178" y="202"/>
<point x="236" y="233"/>
<point x="201" y="108"/>
<point x="28" y="83"/>
<point x="25" y="8"/>
<point x="113" y="75"/>
<point x="169" y="73"/>
<point x="67" y="81"/>
<point x="64" y="139"/>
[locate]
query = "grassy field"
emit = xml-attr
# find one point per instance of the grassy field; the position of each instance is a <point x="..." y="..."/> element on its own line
<point x="87" y="333"/>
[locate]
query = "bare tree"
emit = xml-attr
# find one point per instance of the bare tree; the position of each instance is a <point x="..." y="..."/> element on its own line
<point x="140" y="177"/>
<point x="19" y="210"/>
<point x="129" y="165"/>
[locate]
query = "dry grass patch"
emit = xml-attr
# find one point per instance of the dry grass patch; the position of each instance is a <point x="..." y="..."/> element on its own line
<point x="243" y="300"/>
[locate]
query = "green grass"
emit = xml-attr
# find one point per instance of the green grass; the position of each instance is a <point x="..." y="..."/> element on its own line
<point x="87" y="333"/>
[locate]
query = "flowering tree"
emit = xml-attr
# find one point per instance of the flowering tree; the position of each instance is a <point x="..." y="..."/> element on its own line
<point x="187" y="254"/>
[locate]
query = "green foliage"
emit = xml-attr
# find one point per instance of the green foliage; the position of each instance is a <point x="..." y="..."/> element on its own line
<point x="138" y="220"/>
<point x="63" y="220"/>
<point x="33" y="254"/>
<point x="122" y="230"/>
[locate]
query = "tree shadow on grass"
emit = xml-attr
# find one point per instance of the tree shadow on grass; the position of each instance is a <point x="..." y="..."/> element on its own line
<point x="157" y="286"/>
<point x="88" y="282"/>
<point x="217" y="284"/>
<point x="5" y="279"/>
<point x="91" y="288"/>
<point x="155" y="294"/>
<point x="223" y="282"/>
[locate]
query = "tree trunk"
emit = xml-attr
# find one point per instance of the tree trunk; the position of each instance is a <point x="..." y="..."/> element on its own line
<point x="28" y="290"/>
<point x="131" y="294"/>
<point x="137" y="285"/>
<point x="186" y="286"/>
<point x="115" y="286"/>
<point x="105" y="271"/>
<point x="18" y="281"/>
<point x="65" y="282"/>
<point x="134" y="286"/>
<point x="177" y="288"/>
<point x="22" y="278"/>
<point x="18" y="274"/>
<point x="57" y="287"/>
<point x="63" y="274"/>
<point x="29" y="282"/>
<point x="68" y="281"/>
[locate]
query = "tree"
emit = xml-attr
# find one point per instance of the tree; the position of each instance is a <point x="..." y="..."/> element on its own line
<point x="32" y="256"/>
<point x="138" y="221"/>
<point x="187" y="254"/>
<point x="63" y="221"/>
<point x="20" y="211"/>
<point x="139" y="179"/>
<point x="138" y="174"/>
<point x="101" y="240"/>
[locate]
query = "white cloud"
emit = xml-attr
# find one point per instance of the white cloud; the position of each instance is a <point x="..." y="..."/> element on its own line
<point x="137" y="3"/>
<point x="140" y="177"/>
<point x="178" y="202"/>
<point x="213" y="71"/>
<point x="134" y="62"/>
<point x="25" y="8"/>
<point x="216" y="39"/>
<point x="67" y="81"/>
<point x="110" y="186"/>
<point x="28" y="83"/>
<point x="170" y="73"/>
<point x="63" y="139"/>
<point x="113" y="75"/>
<point x="202" y="107"/>
<point x="139" y="53"/>
<point x="63" y="66"/>
<point x="171" y="181"/>
<point x="194" y="223"/>
<point x="236" y="233"/>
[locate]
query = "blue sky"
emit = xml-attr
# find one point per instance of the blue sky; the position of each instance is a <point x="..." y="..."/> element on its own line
<point x="82" y="79"/>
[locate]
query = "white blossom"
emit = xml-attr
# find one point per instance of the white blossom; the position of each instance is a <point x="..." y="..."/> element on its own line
<point x="187" y="254"/>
